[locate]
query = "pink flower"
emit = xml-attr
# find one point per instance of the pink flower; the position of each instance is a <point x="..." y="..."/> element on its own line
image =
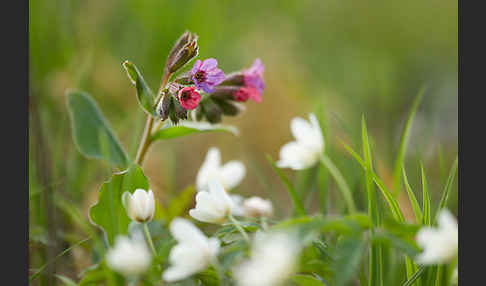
<point x="245" y="93"/>
<point x="206" y="74"/>
<point x="253" y="77"/>
<point x="189" y="97"/>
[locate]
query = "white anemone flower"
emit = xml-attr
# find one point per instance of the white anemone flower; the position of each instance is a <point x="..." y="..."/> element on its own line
<point x="440" y="245"/>
<point x="305" y="151"/>
<point x="273" y="260"/>
<point x="213" y="206"/>
<point x="193" y="253"/>
<point x="140" y="205"/>
<point x="229" y="174"/>
<point x="129" y="257"/>
<point x="257" y="207"/>
<point x="237" y="209"/>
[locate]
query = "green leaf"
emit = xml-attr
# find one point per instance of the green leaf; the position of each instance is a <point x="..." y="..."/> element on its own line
<point x="88" y="123"/>
<point x="109" y="213"/>
<point x="180" y="203"/>
<point x="411" y="196"/>
<point x="191" y="127"/>
<point x="447" y="188"/>
<point x="391" y="201"/>
<point x="404" y="140"/>
<point x="408" y="246"/>
<point x="293" y="194"/>
<point x="66" y="280"/>
<point x="375" y="257"/>
<point x="99" y="273"/>
<point x="426" y="198"/>
<point x="144" y="95"/>
<point x="414" y="277"/>
<point x="306" y="280"/>
<point x="348" y="255"/>
<point x="340" y="181"/>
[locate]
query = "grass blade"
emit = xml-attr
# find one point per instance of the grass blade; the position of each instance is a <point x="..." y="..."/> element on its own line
<point x="404" y="141"/>
<point x="426" y="198"/>
<point x="376" y="258"/>
<point x="447" y="188"/>
<point x="414" y="277"/>
<point x="390" y="199"/>
<point x="411" y="196"/>
<point x="293" y="194"/>
<point x="340" y="181"/>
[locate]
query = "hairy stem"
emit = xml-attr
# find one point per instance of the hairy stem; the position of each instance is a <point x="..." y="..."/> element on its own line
<point x="145" y="142"/>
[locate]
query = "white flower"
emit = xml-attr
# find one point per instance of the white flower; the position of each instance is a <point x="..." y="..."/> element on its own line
<point x="440" y="245"/>
<point x="130" y="257"/>
<point x="307" y="147"/>
<point x="274" y="258"/>
<point x="257" y="207"/>
<point x="212" y="206"/>
<point x="193" y="253"/>
<point x="229" y="174"/>
<point x="237" y="209"/>
<point x="140" y="206"/>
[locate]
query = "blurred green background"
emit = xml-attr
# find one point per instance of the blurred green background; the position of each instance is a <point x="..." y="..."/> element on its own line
<point x="350" y="57"/>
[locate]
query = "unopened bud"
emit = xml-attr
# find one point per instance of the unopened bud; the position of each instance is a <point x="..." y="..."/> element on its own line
<point x="185" y="79"/>
<point x="184" y="55"/>
<point x="212" y="111"/>
<point x="163" y="108"/>
<point x="234" y="78"/>
<point x="224" y="92"/>
<point x="230" y="108"/>
<point x="179" y="111"/>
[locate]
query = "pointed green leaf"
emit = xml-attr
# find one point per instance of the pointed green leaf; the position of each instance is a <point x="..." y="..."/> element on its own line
<point x="447" y="188"/>
<point x="411" y="196"/>
<point x="426" y="199"/>
<point x="145" y="96"/>
<point x="414" y="277"/>
<point x="306" y="280"/>
<point x="88" y="123"/>
<point x="404" y="140"/>
<point x="191" y="127"/>
<point x="109" y="213"/>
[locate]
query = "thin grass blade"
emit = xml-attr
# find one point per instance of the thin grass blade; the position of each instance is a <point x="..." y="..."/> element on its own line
<point x="411" y="196"/>
<point x="426" y="199"/>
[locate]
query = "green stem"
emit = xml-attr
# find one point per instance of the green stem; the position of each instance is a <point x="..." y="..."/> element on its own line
<point x="149" y="239"/>
<point x="238" y="227"/>
<point x="343" y="186"/>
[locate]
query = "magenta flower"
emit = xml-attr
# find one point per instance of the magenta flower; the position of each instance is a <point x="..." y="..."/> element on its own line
<point x="253" y="77"/>
<point x="245" y="93"/>
<point x="206" y="74"/>
<point x="189" y="97"/>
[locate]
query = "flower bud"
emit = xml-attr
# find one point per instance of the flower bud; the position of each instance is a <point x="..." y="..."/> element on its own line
<point x="212" y="111"/>
<point x="140" y="205"/>
<point x="185" y="79"/>
<point x="257" y="207"/>
<point x="163" y="108"/>
<point x="234" y="78"/>
<point x="184" y="54"/>
<point x="179" y="111"/>
<point x="228" y="107"/>
<point x="224" y="92"/>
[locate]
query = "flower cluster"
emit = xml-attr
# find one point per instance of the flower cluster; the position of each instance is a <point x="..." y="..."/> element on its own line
<point x="205" y="90"/>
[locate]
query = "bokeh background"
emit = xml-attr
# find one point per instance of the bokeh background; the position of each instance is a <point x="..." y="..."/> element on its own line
<point x="347" y="57"/>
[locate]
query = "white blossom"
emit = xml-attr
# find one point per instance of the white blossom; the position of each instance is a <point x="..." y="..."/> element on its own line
<point x="257" y="207"/>
<point x="140" y="205"/>
<point x="440" y="245"/>
<point x="212" y="206"/>
<point x="193" y="253"/>
<point x="237" y="209"/>
<point x="305" y="151"/>
<point x="273" y="259"/>
<point x="129" y="257"/>
<point x="229" y="174"/>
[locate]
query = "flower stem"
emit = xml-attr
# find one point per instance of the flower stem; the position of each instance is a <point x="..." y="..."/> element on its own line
<point x="145" y="142"/>
<point x="238" y="227"/>
<point x="263" y="220"/>
<point x="149" y="239"/>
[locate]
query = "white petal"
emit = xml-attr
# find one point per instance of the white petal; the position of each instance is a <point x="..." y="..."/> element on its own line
<point x="318" y="138"/>
<point x="211" y="165"/>
<point x="217" y="191"/>
<point x="297" y="156"/>
<point x="232" y="174"/>
<point x="301" y="129"/>
<point x="185" y="231"/>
